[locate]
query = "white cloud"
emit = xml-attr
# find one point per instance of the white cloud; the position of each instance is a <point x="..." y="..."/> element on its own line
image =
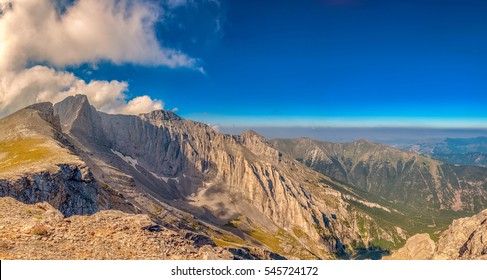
<point x="40" y="83"/>
<point x="140" y="104"/>
<point x="87" y="31"/>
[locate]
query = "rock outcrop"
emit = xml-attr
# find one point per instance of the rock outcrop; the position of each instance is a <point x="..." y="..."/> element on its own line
<point x="417" y="247"/>
<point x="72" y="189"/>
<point x="41" y="232"/>
<point x="465" y="239"/>
<point x="37" y="163"/>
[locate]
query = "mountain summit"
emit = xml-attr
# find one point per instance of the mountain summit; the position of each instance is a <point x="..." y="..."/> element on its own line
<point x="238" y="184"/>
<point x="239" y="196"/>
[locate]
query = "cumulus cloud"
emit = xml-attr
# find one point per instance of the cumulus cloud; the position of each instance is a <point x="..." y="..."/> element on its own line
<point x="44" y="32"/>
<point x="88" y="31"/>
<point x="41" y="83"/>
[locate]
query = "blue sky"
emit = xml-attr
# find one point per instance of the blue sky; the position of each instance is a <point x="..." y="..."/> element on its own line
<point x="320" y="63"/>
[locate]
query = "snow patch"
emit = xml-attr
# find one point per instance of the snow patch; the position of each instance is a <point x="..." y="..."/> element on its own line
<point x="128" y="159"/>
<point x="165" y="179"/>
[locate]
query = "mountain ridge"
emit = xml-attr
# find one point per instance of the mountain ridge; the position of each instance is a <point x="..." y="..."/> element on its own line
<point x="390" y="173"/>
<point x="239" y="191"/>
<point x="185" y="163"/>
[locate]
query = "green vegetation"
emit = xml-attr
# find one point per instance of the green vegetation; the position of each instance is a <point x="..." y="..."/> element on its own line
<point x="280" y="242"/>
<point x="277" y="241"/>
<point x="384" y="244"/>
<point x="223" y="243"/>
<point x="411" y="220"/>
<point x="224" y="239"/>
<point x="272" y="241"/>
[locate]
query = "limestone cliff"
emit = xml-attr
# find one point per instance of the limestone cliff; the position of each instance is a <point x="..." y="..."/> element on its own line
<point x="240" y="183"/>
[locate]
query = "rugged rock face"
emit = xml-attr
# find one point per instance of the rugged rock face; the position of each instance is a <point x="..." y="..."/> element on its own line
<point x="71" y="189"/>
<point x="417" y="247"/>
<point x="40" y="163"/>
<point x="240" y="183"/>
<point x="465" y="239"/>
<point x="37" y="165"/>
<point x="41" y="232"/>
<point x="401" y="177"/>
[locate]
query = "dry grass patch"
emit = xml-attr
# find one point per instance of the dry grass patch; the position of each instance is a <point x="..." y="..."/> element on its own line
<point x="39" y="230"/>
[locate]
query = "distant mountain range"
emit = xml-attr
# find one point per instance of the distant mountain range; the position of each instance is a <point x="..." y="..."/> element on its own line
<point x="238" y="196"/>
<point x="403" y="178"/>
<point x="463" y="151"/>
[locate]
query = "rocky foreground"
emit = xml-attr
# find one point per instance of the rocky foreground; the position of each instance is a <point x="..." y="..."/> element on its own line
<point x="465" y="239"/>
<point x="39" y="231"/>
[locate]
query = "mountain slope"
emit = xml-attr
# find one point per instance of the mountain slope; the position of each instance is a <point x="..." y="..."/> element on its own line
<point x="232" y="184"/>
<point x="464" y="151"/>
<point x="41" y="164"/>
<point x="36" y="163"/>
<point x="401" y="177"/>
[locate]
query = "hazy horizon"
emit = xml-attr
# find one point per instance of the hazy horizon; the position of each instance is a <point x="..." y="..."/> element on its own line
<point x="387" y="135"/>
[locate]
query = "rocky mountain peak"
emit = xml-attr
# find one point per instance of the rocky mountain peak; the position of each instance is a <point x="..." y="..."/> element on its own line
<point x="160" y="115"/>
<point x="70" y="108"/>
<point x="258" y="145"/>
<point x="250" y="135"/>
<point x="79" y="117"/>
<point x="46" y="111"/>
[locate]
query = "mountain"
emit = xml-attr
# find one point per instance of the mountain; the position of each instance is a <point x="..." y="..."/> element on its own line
<point x="463" y="151"/>
<point x="473" y="159"/>
<point x="464" y="239"/>
<point x="211" y="195"/>
<point x="37" y="163"/>
<point x="207" y="195"/>
<point x="238" y="184"/>
<point x="430" y="192"/>
<point x="398" y="176"/>
<point x="461" y="146"/>
<point x="234" y="192"/>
